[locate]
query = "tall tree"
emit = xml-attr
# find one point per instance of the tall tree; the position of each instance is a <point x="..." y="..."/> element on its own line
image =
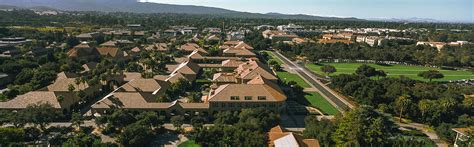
<point x="402" y="103"/>
<point x="328" y="69"/>
<point x="77" y="119"/>
<point x="363" y="126"/>
<point x="321" y="130"/>
<point x="431" y="74"/>
<point x="366" y="70"/>
<point x="41" y="114"/>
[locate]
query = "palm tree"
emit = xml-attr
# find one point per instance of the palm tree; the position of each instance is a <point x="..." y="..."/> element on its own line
<point x="402" y="103"/>
<point x="424" y="105"/>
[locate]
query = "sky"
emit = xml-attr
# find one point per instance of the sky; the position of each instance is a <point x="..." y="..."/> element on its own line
<point x="444" y="10"/>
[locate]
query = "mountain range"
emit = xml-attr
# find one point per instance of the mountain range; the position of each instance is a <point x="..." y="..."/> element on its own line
<point x="142" y="7"/>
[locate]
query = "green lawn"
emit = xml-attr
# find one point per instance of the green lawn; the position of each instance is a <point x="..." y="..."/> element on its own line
<point x="286" y="76"/>
<point x="274" y="57"/>
<point x="189" y="143"/>
<point x="321" y="103"/>
<point x="395" y="71"/>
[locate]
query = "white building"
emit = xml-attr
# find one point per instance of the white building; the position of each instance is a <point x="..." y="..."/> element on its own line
<point x="290" y="27"/>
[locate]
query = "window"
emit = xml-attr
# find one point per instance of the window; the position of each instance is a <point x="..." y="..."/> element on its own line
<point x="248" y="97"/>
<point x="262" y="98"/>
<point x="234" y="98"/>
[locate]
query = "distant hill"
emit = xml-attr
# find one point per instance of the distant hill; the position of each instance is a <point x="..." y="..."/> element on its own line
<point x="140" y="7"/>
<point x="8" y="7"/>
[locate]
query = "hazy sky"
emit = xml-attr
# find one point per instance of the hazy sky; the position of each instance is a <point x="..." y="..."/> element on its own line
<point x="447" y="10"/>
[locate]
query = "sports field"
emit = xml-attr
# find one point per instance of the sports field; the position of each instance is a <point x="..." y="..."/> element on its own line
<point x="395" y="71"/>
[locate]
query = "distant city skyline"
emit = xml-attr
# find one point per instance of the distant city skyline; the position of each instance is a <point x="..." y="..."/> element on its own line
<point x="443" y="10"/>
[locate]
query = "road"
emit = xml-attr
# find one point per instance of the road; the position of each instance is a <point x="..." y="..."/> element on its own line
<point x="424" y="129"/>
<point x="340" y="103"/>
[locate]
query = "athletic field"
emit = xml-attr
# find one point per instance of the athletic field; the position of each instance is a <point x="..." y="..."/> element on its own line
<point x="395" y="71"/>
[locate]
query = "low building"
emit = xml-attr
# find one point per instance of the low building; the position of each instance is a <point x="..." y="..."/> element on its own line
<point x="283" y="37"/>
<point x="459" y="43"/>
<point x="300" y="41"/>
<point x="58" y="100"/>
<point x="250" y="69"/>
<point x="190" y="47"/>
<point x="13" y="41"/>
<point x="59" y="94"/>
<point x="187" y="70"/>
<point x="279" y="138"/>
<point x="344" y="38"/>
<point x="83" y="52"/>
<point x="236" y="44"/>
<point x="256" y="93"/>
<point x="116" y="43"/>
<point x="213" y="39"/>
<point x="264" y="27"/>
<point x="462" y="137"/>
<point x="65" y="80"/>
<point x="278" y="35"/>
<point x="5" y="79"/>
<point x="161" y="47"/>
<point x="87" y="36"/>
<point x="235" y="52"/>
<point x="112" y="52"/>
<point x="290" y="27"/>
<point x="136" y="101"/>
<point x="10" y="52"/>
<point x="437" y="45"/>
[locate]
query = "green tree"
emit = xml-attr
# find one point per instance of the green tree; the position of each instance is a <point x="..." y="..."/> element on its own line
<point x="366" y="70"/>
<point x="151" y="119"/>
<point x="431" y="74"/>
<point x="197" y="122"/>
<point x="77" y="119"/>
<point x="135" y="134"/>
<point x="402" y="103"/>
<point x="424" y="105"/>
<point x="82" y="139"/>
<point x="40" y="114"/>
<point x="274" y="64"/>
<point x="321" y="130"/>
<point x="177" y="121"/>
<point x="363" y="126"/>
<point x="328" y="69"/>
<point x="11" y="135"/>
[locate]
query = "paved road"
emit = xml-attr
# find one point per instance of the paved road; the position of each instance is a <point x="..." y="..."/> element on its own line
<point x="333" y="98"/>
<point x="424" y="128"/>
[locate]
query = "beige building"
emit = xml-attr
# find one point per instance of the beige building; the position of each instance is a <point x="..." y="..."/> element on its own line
<point x="238" y="52"/>
<point x="277" y="137"/>
<point x="57" y="94"/>
<point x="191" y="47"/>
<point x="256" y="93"/>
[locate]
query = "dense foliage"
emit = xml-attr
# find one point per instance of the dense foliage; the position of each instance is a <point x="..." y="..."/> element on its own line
<point x="247" y="128"/>
<point x="436" y="104"/>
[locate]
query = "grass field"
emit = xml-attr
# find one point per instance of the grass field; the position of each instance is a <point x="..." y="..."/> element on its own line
<point x="322" y="104"/>
<point x="395" y="71"/>
<point x="286" y="76"/>
<point x="189" y="143"/>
